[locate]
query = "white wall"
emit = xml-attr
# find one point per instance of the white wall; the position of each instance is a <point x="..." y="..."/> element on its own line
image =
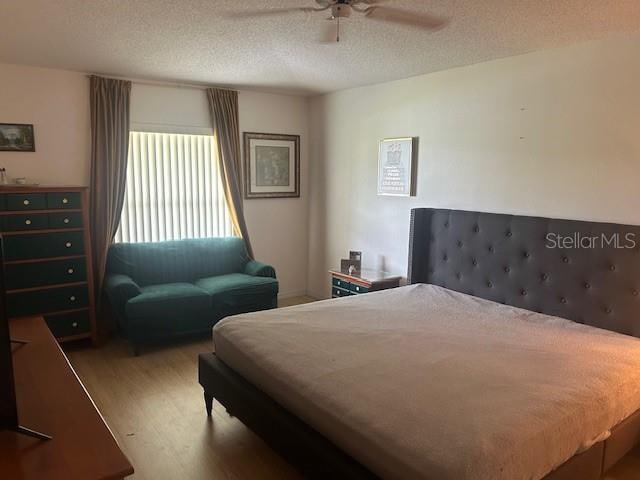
<point x="553" y="133"/>
<point x="56" y="102"/>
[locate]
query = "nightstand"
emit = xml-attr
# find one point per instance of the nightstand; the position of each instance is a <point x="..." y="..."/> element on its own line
<point x="344" y="284"/>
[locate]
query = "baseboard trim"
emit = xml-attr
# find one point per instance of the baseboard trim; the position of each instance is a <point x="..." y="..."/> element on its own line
<point x="299" y="293"/>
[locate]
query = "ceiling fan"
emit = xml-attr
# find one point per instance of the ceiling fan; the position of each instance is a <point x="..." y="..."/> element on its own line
<point x="340" y="9"/>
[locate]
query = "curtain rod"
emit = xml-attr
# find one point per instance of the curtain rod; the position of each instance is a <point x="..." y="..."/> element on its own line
<point x="160" y="83"/>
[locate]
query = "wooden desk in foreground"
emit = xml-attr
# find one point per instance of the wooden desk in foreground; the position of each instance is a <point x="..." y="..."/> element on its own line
<point x="52" y="400"/>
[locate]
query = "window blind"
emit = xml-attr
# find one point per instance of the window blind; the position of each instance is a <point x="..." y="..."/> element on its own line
<point x="173" y="189"/>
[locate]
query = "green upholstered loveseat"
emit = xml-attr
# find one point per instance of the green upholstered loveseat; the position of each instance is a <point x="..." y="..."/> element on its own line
<point x="164" y="289"/>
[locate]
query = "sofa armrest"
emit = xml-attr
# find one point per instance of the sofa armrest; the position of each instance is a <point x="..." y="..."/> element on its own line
<point x="120" y="288"/>
<point x="259" y="269"/>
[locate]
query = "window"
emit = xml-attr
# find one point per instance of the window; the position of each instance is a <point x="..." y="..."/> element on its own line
<point x="173" y="189"/>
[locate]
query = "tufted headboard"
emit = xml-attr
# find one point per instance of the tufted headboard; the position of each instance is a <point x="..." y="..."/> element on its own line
<point x="583" y="271"/>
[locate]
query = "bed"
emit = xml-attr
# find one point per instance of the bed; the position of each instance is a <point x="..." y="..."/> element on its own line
<point x="486" y="366"/>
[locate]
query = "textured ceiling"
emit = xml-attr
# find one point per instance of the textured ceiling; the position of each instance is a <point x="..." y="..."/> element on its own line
<point x="195" y="40"/>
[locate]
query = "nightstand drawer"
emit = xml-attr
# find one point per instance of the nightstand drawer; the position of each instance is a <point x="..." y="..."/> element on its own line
<point x="23" y="247"/>
<point x="69" y="324"/>
<point x="357" y="289"/>
<point x="14" y="223"/>
<point x="338" y="282"/>
<point x="47" y="300"/>
<point x="26" y="201"/>
<point x="339" y="292"/>
<point x="65" y="220"/>
<point x="28" y="275"/>
<point x="64" y="200"/>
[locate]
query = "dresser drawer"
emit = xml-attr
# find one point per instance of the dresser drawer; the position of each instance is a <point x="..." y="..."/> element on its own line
<point x="26" y="201"/>
<point x="14" y="223"/>
<point x="339" y="292"/>
<point x="337" y="282"/>
<point x="47" y="300"/>
<point x="24" y="247"/>
<point x="64" y="200"/>
<point x="65" y="220"/>
<point x="27" y="275"/>
<point x="69" y="324"/>
<point x="357" y="289"/>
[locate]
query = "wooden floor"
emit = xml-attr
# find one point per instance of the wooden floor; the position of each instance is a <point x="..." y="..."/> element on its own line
<point x="153" y="404"/>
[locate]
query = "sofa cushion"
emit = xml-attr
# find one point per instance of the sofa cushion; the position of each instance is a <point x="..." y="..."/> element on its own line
<point x="237" y="289"/>
<point x="176" y="261"/>
<point x="168" y="300"/>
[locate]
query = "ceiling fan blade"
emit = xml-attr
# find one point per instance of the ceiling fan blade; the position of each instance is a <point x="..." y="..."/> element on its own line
<point x="324" y="3"/>
<point x="273" y="11"/>
<point x="405" y="17"/>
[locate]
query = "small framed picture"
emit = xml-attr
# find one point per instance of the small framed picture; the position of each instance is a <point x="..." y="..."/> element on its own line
<point x="396" y="166"/>
<point x="271" y="165"/>
<point x="17" y="137"/>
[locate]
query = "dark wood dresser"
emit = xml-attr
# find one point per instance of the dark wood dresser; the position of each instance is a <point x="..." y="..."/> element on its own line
<point x="344" y="284"/>
<point x="48" y="257"/>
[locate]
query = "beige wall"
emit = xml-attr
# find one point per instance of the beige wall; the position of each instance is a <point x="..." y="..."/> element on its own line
<point x="279" y="226"/>
<point x="553" y="133"/>
<point x="57" y="103"/>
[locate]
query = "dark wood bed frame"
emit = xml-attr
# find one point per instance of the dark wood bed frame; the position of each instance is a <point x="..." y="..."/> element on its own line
<point x="505" y="258"/>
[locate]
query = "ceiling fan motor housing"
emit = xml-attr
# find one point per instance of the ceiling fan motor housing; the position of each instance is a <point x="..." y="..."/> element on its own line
<point x="341" y="10"/>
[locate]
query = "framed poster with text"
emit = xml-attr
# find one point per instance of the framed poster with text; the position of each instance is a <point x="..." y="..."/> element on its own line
<point x="396" y="166"/>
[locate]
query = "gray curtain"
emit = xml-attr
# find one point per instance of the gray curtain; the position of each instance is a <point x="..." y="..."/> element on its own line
<point x="110" y="100"/>
<point x="223" y="106"/>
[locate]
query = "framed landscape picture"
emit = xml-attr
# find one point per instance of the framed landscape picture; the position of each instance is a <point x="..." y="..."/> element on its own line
<point x="396" y="166"/>
<point x="17" y="137"/>
<point x="271" y="165"/>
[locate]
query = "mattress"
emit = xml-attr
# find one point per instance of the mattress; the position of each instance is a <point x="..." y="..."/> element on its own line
<point x="421" y="382"/>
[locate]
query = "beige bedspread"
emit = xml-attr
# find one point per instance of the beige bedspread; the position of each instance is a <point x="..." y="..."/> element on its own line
<point x="423" y="382"/>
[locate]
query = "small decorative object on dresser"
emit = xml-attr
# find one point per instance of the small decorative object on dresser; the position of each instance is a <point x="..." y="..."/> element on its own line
<point x="47" y="254"/>
<point x="344" y="284"/>
<point x="353" y="264"/>
<point x="396" y="166"/>
<point x="271" y="165"/>
<point x="17" y="137"/>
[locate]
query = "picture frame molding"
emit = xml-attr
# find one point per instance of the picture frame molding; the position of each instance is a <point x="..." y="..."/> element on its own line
<point x="247" y="137"/>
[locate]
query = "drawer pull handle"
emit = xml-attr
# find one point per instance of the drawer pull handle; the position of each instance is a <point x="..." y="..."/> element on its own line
<point x="26" y="202"/>
<point x="74" y="324"/>
<point x="66" y="220"/>
<point x="72" y="298"/>
<point x="68" y="244"/>
<point x="27" y="222"/>
<point x="70" y="271"/>
<point x="64" y="200"/>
